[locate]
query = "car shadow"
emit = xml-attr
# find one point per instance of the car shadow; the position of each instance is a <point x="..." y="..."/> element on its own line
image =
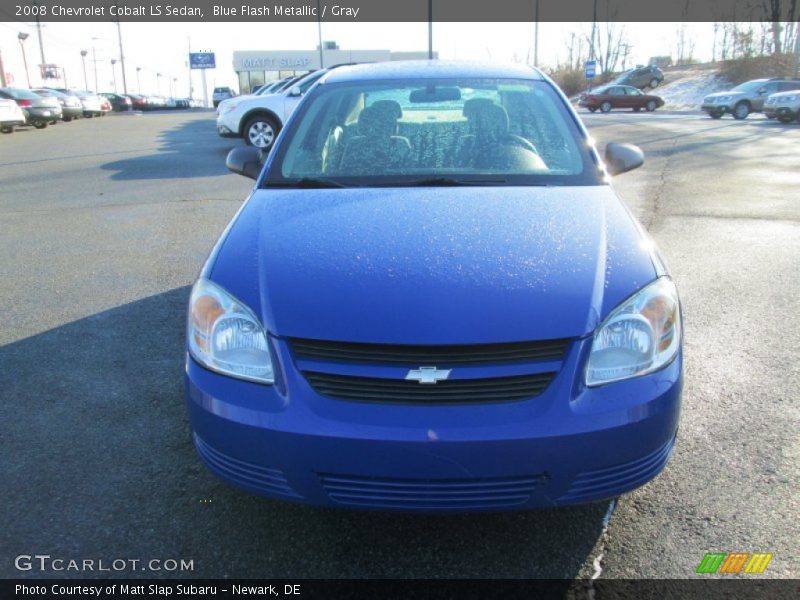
<point x="99" y="463"/>
<point x="191" y="149"/>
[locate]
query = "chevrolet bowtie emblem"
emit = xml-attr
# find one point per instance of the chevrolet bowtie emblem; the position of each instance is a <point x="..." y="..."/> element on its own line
<point x="428" y="375"/>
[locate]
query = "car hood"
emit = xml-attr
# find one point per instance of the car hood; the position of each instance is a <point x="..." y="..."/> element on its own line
<point x="433" y="265"/>
<point x="721" y="94"/>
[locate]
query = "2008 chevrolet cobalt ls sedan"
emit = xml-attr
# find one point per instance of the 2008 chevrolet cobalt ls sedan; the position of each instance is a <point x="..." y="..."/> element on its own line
<point x="433" y="299"/>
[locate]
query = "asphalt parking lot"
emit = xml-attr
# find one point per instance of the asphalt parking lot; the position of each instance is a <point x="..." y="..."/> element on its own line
<point x="104" y="224"/>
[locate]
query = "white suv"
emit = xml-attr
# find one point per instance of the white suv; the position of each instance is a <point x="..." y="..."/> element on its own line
<point x="258" y="119"/>
<point x="220" y="94"/>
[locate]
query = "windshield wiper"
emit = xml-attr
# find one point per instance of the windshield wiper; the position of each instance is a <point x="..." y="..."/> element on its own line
<point x="309" y="182"/>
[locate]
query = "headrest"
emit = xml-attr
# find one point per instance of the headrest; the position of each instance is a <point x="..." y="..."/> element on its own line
<point x="473" y="105"/>
<point x="488" y="120"/>
<point x="391" y="107"/>
<point x="377" y="122"/>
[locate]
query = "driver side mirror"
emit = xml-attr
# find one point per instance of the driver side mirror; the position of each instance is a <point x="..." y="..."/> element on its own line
<point x="245" y="161"/>
<point x="621" y="158"/>
<point x="296" y="91"/>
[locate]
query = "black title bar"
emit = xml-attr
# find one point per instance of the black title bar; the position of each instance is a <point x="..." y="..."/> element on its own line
<point x="400" y="10"/>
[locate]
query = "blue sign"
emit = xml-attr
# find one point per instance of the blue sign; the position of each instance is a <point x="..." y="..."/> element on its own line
<point x="202" y="60"/>
<point x="590" y="69"/>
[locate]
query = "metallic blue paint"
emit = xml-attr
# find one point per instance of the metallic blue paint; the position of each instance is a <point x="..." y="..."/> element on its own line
<point x="434" y="266"/>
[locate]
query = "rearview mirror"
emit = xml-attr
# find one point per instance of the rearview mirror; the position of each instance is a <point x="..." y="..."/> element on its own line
<point x="621" y="158"/>
<point x="245" y="161"/>
<point x="296" y="91"/>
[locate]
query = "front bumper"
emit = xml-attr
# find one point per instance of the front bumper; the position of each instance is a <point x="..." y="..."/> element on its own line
<point x="786" y="112"/>
<point x="716" y="108"/>
<point x="570" y="444"/>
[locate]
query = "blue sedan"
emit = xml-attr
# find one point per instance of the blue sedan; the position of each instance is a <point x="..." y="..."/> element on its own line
<point x="433" y="300"/>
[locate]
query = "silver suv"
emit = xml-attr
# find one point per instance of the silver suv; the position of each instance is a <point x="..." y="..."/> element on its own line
<point x="746" y="98"/>
<point x="785" y="106"/>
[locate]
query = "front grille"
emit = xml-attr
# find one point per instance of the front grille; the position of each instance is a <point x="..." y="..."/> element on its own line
<point x="437" y="355"/>
<point x="424" y="494"/>
<point x="451" y="391"/>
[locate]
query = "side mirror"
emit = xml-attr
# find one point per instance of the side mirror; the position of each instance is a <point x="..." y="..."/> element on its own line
<point x="621" y="158"/>
<point x="296" y="91"/>
<point x="245" y="161"/>
<point x="762" y="91"/>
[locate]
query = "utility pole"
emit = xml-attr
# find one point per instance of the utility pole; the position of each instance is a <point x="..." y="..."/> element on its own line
<point x="41" y="43"/>
<point x="594" y="29"/>
<point x="114" y="73"/>
<point x="188" y="64"/>
<point x="536" y="36"/>
<point x="430" y="29"/>
<point x="94" y="61"/>
<point x="83" y="60"/>
<point x="319" y="35"/>
<point x="122" y="60"/>
<point x="138" y="81"/>
<point x="22" y="37"/>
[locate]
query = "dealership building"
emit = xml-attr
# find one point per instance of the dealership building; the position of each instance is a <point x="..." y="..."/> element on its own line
<point x="257" y="67"/>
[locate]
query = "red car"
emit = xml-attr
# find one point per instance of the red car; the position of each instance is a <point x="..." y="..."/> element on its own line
<point x="611" y="96"/>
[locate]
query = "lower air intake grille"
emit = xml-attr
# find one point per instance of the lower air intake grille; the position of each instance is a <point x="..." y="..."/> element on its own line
<point x="452" y="391"/>
<point x="421" y="494"/>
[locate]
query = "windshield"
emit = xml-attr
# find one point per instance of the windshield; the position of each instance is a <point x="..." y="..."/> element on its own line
<point x="21" y="94"/>
<point x="434" y="132"/>
<point x="749" y="86"/>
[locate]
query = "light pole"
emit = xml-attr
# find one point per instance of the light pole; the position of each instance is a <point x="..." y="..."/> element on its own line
<point x="22" y="37"/>
<point x="158" y="83"/>
<point x="114" y="73"/>
<point x="138" y="81"/>
<point x="94" y="61"/>
<point x="83" y="60"/>
<point x="41" y="43"/>
<point x="122" y="60"/>
<point x="536" y="36"/>
<point x="430" y="29"/>
<point x="319" y="35"/>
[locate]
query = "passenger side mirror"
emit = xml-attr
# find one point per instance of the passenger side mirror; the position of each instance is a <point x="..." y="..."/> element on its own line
<point x="621" y="158"/>
<point x="245" y="161"/>
<point x="762" y="91"/>
<point x="296" y="91"/>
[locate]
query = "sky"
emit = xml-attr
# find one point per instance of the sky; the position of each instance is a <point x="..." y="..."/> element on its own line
<point x="163" y="47"/>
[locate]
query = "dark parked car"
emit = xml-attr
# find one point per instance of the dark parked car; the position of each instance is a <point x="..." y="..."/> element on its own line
<point x="71" y="107"/>
<point x="39" y="111"/>
<point x="119" y="103"/>
<point x="641" y="77"/>
<point x="611" y="96"/>
<point x="138" y="101"/>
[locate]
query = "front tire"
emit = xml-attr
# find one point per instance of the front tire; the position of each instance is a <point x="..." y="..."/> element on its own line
<point x="605" y="106"/>
<point x="7" y="129"/>
<point x="40" y="124"/>
<point x="653" y="83"/>
<point x="741" y="110"/>
<point x="67" y="119"/>
<point x="260" y="132"/>
<point x="651" y="106"/>
<point x="716" y="114"/>
<point x="591" y="110"/>
<point x="784" y="118"/>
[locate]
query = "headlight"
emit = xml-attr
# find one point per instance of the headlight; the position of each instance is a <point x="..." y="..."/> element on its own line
<point x="640" y="336"/>
<point x="789" y="98"/>
<point x="225" y="336"/>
